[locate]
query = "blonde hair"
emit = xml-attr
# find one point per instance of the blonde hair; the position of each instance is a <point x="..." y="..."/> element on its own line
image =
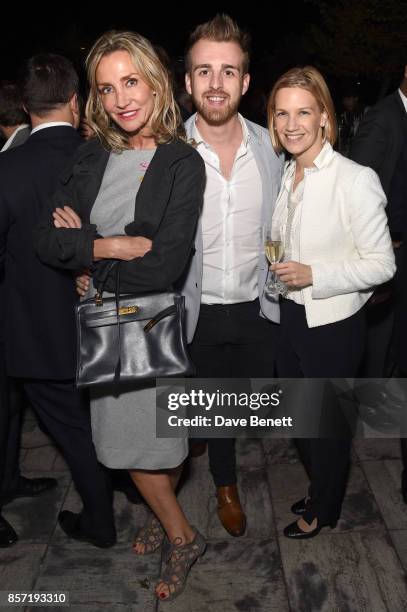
<point x="221" y="28"/>
<point x="166" y="122"/>
<point x="310" y="79"/>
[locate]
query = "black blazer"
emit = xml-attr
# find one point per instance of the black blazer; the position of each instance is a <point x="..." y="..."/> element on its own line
<point x="166" y="211"/>
<point x="379" y="144"/>
<point x="38" y="323"/>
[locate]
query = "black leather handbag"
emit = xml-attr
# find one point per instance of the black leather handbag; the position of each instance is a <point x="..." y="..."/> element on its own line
<point x="131" y="337"/>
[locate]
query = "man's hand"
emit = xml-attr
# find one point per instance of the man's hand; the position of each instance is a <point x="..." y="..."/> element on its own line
<point x="293" y="274"/>
<point x="82" y="281"/>
<point x="67" y="218"/>
<point x="125" y="248"/>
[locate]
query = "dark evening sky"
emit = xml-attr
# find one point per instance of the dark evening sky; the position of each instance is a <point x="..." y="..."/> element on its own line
<point x="64" y="29"/>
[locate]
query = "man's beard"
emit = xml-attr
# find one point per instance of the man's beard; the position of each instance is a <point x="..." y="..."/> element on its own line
<point x="215" y="116"/>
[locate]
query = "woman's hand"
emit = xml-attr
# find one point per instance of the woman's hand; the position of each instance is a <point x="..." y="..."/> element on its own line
<point x="294" y="274"/>
<point x="125" y="248"/>
<point x="67" y="218"/>
<point x="82" y="281"/>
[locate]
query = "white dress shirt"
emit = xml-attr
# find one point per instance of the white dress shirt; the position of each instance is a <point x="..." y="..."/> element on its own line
<point x="231" y="225"/>
<point x="403" y="99"/>
<point x="288" y="197"/>
<point x="42" y="126"/>
<point x="8" y="142"/>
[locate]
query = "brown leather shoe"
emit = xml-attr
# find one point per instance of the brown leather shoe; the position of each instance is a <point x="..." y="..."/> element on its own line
<point x="230" y="511"/>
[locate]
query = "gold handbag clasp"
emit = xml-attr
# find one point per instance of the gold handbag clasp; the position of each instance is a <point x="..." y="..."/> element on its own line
<point x="126" y="310"/>
<point x="98" y="298"/>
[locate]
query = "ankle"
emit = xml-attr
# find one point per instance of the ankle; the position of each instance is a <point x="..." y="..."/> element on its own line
<point x="183" y="536"/>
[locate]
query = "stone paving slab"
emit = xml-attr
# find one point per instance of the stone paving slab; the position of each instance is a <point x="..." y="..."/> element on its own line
<point x="355" y="568"/>
<point x="93" y="575"/>
<point x="196" y="490"/>
<point x="278" y="450"/>
<point x="34" y="518"/>
<point x="384" y="479"/>
<point x="377" y="448"/>
<point x="399" y="539"/>
<point x="19" y="566"/>
<point x="39" y="459"/>
<point x="249" y="453"/>
<point x="352" y="572"/>
<point x="243" y="575"/>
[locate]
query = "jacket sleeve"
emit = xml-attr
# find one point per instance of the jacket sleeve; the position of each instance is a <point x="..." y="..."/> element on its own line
<point x="371" y="141"/>
<point x="67" y="249"/>
<point x="375" y="263"/>
<point x="172" y="243"/>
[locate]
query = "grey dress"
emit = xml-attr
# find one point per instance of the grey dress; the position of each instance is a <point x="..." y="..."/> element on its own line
<point x="123" y="426"/>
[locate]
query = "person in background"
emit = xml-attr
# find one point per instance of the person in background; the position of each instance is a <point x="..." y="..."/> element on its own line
<point x="40" y="351"/>
<point x="381" y="143"/>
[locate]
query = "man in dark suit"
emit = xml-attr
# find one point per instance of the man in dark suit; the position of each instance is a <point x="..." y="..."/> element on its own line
<point x="15" y="128"/>
<point x="381" y="143"/>
<point x="39" y="301"/>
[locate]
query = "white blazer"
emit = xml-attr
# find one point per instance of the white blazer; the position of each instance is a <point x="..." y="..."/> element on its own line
<point x="343" y="236"/>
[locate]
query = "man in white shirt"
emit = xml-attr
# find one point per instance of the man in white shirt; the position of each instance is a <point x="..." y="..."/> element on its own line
<point x="14" y="122"/>
<point x="229" y="269"/>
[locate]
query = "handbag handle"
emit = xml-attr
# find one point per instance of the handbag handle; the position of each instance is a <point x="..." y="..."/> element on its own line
<point x="99" y="302"/>
<point x="101" y="288"/>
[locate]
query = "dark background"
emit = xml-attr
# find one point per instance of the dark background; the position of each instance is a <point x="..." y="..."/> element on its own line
<point x="359" y="44"/>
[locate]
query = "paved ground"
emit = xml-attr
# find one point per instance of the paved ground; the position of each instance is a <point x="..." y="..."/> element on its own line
<point x="359" y="566"/>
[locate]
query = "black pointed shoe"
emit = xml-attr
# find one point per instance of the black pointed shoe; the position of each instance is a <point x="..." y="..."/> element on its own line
<point x="300" y="507"/>
<point x="8" y="536"/>
<point x="29" y="487"/>
<point x="70" y="523"/>
<point x="294" y="532"/>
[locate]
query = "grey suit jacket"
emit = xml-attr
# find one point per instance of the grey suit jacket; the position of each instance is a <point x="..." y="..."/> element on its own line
<point x="270" y="168"/>
<point x="20" y="138"/>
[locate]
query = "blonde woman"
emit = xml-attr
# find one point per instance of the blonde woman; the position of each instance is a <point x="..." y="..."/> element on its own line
<point x="330" y="215"/>
<point x="133" y="194"/>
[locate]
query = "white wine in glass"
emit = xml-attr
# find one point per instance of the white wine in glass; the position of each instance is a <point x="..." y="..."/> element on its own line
<point x="274" y="251"/>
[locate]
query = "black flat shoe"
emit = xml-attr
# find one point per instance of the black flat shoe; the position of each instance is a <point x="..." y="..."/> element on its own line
<point x="29" y="487"/>
<point x="300" y="507"/>
<point x="8" y="536"/>
<point x="295" y="532"/>
<point x="70" y="524"/>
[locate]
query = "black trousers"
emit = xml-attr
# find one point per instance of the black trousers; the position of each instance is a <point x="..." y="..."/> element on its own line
<point x="328" y="351"/>
<point x="232" y="341"/>
<point x="64" y="413"/>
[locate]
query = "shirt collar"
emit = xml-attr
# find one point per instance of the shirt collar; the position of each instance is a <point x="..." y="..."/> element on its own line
<point x="42" y="126"/>
<point x="13" y="135"/>
<point x="322" y="159"/>
<point x="403" y="99"/>
<point x="196" y="136"/>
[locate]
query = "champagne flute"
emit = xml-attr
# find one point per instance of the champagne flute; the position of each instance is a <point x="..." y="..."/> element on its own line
<point x="274" y="251"/>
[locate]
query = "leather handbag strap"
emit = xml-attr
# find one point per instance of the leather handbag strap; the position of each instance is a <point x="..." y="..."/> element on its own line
<point x="119" y="336"/>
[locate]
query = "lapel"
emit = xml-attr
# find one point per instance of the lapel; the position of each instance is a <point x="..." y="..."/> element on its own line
<point x="264" y="167"/>
<point x="155" y="190"/>
<point x="91" y="166"/>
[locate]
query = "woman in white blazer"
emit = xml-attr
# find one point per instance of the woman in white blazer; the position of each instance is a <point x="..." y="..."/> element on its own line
<point x="332" y="222"/>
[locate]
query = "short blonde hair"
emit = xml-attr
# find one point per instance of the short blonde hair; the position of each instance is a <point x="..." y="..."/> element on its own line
<point x="166" y="122"/>
<point x="310" y="79"/>
<point x="221" y="28"/>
